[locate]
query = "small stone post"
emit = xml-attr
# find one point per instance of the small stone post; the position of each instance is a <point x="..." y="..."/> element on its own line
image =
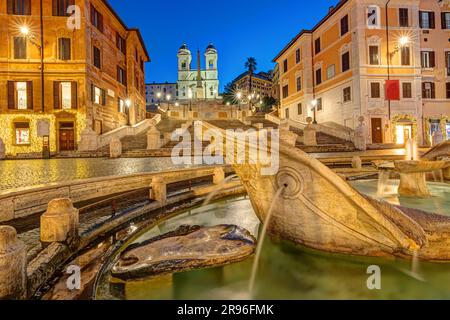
<point x="2" y="150"/>
<point x="356" y="162"/>
<point x="60" y="222"/>
<point x="219" y="175"/>
<point x="153" y="139"/>
<point x="360" y="135"/>
<point x="115" y="148"/>
<point x="287" y="135"/>
<point x="158" y="190"/>
<point x="310" y="133"/>
<point x="13" y="265"/>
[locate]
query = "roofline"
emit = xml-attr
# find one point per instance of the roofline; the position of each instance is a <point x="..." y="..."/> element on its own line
<point x="330" y="13"/>
<point x="161" y="84"/>
<point x="128" y="29"/>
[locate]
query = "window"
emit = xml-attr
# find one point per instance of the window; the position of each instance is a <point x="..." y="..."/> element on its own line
<point x="407" y="90"/>
<point x="447" y="90"/>
<point x="319" y="104"/>
<point x="285" y="91"/>
<point x="331" y="71"/>
<point x="317" y="47"/>
<point x="64" y="51"/>
<point x="285" y="65"/>
<point x="403" y="17"/>
<point x="19" y="7"/>
<point x="183" y="65"/>
<point x="20" y="95"/>
<point x="299" y="109"/>
<point x="287" y="113"/>
<point x="22" y="131"/>
<point x="428" y="90"/>
<point x="347" y="94"/>
<point x="406" y="59"/>
<point x="121" y="105"/>
<point x="375" y="90"/>
<point x="445" y="20"/>
<point x="65" y="95"/>
<point x="121" y="43"/>
<point x="345" y="61"/>
<point x="96" y="18"/>
<point x="60" y="7"/>
<point x="121" y="76"/>
<point x="297" y="56"/>
<point x="299" y="84"/>
<point x="344" y="25"/>
<point x="20" y="48"/>
<point x="318" y="76"/>
<point x="97" y="58"/>
<point x="447" y="62"/>
<point x="426" y="20"/>
<point x="428" y="59"/>
<point x="98" y="95"/>
<point x="374" y="55"/>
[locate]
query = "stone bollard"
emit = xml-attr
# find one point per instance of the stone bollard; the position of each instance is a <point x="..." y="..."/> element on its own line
<point x="60" y="222"/>
<point x="310" y="134"/>
<point x="153" y="139"/>
<point x="356" y="162"/>
<point x="2" y="150"/>
<point x="158" y="190"/>
<point x="219" y="175"/>
<point x="115" y="148"/>
<point x="13" y="265"/>
<point x="287" y="135"/>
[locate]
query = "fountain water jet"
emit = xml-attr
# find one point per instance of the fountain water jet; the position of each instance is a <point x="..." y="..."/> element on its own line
<point x="262" y="236"/>
<point x="218" y="188"/>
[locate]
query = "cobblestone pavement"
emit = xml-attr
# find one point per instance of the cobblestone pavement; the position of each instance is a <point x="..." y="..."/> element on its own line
<point x="27" y="173"/>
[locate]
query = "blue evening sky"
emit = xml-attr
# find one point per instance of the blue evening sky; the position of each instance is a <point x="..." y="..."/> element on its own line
<point x="238" y="28"/>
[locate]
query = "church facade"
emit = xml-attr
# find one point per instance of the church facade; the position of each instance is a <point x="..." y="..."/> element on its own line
<point x="198" y="83"/>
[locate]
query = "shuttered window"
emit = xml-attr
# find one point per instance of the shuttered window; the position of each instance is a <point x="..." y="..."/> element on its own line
<point x="428" y="90"/>
<point x="64" y="49"/>
<point x="60" y="7"/>
<point x="20" y="95"/>
<point x="19" y="7"/>
<point x="121" y="43"/>
<point x="96" y="18"/>
<point x="97" y="58"/>
<point x="20" y="48"/>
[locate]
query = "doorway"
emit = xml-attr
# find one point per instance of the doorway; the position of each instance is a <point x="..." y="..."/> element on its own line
<point x="66" y="136"/>
<point x="377" y="132"/>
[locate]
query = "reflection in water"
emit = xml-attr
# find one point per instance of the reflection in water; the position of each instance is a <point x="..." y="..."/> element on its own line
<point x="439" y="203"/>
<point x="27" y="173"/>
<point x="286" y="272"/>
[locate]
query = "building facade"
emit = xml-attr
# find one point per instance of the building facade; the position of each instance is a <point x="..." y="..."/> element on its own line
<point x="90" y="71"/>
<point x="160" y="92"/>
<point x="198" y="83"/>
<point x="261" y="84"/>
<point x="394" y="71"/>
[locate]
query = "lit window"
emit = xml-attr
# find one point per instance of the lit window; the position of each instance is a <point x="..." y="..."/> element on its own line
<point x="21" y="91"/>
<point x="22" y="130"/>
<point x="66" y="95"/>
<point x="97" y="95"/>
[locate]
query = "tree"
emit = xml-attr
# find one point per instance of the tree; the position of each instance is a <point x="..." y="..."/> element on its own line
<point x="251" y="66"/>
<point x="229" y="94"/>
<point x="268" y="103"/>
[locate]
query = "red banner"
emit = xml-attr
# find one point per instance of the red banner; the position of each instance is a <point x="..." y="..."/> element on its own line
<point x="392" y="90"/>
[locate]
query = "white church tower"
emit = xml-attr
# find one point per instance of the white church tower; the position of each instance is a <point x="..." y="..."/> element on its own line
<point x="198" y="83"/>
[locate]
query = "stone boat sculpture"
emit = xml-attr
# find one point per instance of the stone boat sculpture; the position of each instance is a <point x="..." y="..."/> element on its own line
<point x="318" y="209"/>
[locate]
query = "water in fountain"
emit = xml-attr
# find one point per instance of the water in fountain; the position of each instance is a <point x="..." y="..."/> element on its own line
<point x="383" y="179"/>
<point x="411" y="150"/>
<point x="415" y="270"/>
<point x="218" y="188"/>
<point x="261" y="239"/>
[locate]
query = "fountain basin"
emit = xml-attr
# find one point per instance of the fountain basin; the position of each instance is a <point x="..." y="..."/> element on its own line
<point x="286" y="272"/>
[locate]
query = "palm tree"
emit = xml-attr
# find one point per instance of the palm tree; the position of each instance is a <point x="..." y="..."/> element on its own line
<point x="250" y="65"/>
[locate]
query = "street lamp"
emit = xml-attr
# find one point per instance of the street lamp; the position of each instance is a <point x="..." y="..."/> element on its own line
<point x="314" y="104"/>
<point x="158" y="95"/>
<point x="168" y="97"/>
<point x="128" y="105"/>
<point x="239" y="97"/>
